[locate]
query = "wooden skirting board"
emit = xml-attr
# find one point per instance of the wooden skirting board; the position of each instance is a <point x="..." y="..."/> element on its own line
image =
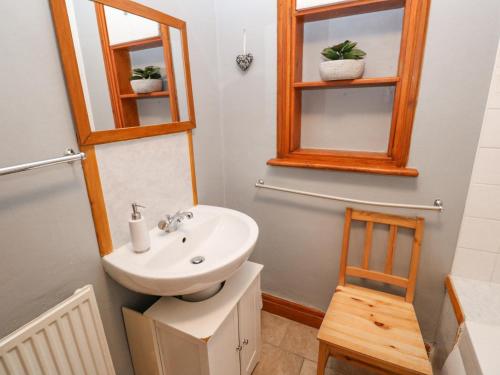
<point x="292" y="310"/>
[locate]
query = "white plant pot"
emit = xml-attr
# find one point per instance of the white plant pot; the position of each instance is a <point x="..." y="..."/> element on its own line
<point x="144" y="86"/>
<point x="341" y="69"/>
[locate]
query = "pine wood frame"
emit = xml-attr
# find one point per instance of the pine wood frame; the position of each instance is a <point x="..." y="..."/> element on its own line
<point x="455" y="302"/>
<point x="88" y="139"/>
<point x="290" y="86"/>
<point x="363" y="304"/>
<point x="86" y="136"/>
<point x="371" y="218"/>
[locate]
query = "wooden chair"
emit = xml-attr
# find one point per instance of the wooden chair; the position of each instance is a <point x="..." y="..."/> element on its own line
<point x="374" y="329"/>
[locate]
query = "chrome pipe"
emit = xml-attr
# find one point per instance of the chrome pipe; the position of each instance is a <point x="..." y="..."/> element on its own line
<point x="70" y="157"/>
<point x="438" y="203"/>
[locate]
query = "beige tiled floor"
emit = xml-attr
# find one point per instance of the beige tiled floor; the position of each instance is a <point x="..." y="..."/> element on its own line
<point x="290" y="348"/>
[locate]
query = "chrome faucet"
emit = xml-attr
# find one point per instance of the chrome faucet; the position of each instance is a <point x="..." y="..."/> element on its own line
<point x="171" y="224"/>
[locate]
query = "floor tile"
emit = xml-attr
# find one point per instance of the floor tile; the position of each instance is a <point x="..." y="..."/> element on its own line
<point x="301" y="340"/>
<point x="309" y="368"/>
<point x="273" y="328"/>
<point x="347" y="368"/>
<point x="275" y="361"/>
<point x="291" y="348"/>
<point x="333" y="367"/>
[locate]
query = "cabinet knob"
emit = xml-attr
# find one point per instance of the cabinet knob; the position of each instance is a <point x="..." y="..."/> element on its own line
<point x="238" y="348"/>
<point x="245" y="342"/>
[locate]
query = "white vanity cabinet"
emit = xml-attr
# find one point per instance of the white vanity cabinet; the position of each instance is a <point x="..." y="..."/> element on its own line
<point x="219" y="336"/>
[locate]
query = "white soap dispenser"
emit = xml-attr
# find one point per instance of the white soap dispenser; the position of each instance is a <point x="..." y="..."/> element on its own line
<point x="139" y="234"/>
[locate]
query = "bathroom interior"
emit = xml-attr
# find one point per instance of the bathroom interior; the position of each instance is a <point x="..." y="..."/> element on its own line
<point x="266" y="187"/>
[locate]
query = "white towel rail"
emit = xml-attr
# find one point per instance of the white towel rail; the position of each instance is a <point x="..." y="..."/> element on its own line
<point x="69" y="157"/>
<point x="438" y="203"/>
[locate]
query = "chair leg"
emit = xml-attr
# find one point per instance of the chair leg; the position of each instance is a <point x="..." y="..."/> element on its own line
<point x="323" y="355"/>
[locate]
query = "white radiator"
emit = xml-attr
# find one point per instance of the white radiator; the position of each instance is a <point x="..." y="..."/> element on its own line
<point x="68" y="339"/>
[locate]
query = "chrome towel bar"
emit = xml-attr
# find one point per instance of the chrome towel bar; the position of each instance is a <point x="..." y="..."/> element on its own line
<point x="438" y="203"/>
<point x="70" y="156"/>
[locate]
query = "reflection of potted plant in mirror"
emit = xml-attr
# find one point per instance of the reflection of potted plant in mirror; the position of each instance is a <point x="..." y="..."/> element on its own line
<point x="146" y="80"/>
<point x="344" y="61"/>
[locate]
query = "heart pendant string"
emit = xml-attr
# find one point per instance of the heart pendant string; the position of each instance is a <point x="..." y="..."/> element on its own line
<point x="244" y="41"/>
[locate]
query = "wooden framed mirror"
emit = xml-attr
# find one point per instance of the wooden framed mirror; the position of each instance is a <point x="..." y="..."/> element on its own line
<point x="102" y="43"/>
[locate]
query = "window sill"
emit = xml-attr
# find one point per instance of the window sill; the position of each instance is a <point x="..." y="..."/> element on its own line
<point x="344" y="165"/>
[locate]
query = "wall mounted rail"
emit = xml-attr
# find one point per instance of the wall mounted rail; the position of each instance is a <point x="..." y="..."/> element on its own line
<point x="437" y="206"/>
<point x="70" y="156"/>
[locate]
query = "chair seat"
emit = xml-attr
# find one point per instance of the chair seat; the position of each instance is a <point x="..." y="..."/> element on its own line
<point x="375" y="328"/>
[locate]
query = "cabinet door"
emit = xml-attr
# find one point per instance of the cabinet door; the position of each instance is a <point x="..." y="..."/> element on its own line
<point x="223" y="348"/>
<point x="249" y="327"/>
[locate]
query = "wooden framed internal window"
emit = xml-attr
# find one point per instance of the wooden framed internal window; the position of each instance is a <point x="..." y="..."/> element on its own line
<point x="291" y="87"/>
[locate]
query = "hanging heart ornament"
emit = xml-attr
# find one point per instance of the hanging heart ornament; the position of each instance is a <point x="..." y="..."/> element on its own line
<point x="244" y="61"/>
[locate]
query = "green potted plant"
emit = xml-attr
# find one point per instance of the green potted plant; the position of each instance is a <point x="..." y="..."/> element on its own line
<point x="146" y="80"/>
<point x="343" y="61"/>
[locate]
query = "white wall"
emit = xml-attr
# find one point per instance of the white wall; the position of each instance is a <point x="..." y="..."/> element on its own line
<point x="47" y="236"/>
<point x="85" y="32"/>
<point x="300" y="237"/>
<point x="314" y="3"/>
<point x="124" y="27"/>
<point x="180" y="73"/>
<point x="478" y="249"/>
<point x="357" y="119"/>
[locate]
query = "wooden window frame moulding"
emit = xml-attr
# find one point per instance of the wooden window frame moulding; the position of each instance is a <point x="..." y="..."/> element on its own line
<point x="86" y="136"/>
<point x="88" y="139"/>
<point x="290" y="87"/>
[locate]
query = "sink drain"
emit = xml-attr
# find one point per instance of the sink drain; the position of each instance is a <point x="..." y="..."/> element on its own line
<point x="197" y="260"/>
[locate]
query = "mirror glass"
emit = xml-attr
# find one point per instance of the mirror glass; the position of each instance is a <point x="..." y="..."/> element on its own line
<point x="131" y="68"/>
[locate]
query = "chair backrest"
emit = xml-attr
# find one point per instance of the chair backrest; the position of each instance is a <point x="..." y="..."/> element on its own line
<point x="371" y="218"/>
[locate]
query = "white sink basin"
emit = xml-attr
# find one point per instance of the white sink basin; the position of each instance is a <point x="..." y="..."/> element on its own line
<point x="224" y="238"/>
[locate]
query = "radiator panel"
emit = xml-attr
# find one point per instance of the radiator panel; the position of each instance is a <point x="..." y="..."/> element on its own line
<point x="68" y="339"/>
